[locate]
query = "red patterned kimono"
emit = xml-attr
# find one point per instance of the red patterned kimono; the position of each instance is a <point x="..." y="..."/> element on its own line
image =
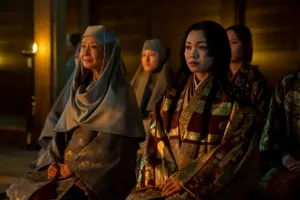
<point x="224" y="164"/>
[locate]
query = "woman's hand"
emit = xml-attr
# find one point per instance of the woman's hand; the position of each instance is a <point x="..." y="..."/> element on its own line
<point x="65" y="170"/>
<point x="53" y="171"/>
<point x="170" y="187"/>
<point x="287" y="160"/>
<point x="295" y="166"/>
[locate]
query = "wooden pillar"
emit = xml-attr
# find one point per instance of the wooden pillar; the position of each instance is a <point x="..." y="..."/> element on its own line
<point x="94" y="7"/>
<point x="49" y="35"/>
<point x="240" y="11"/>
<point x="59" y="43"/>
<point x="42" y="63"/>
<point x="84" y="15"/>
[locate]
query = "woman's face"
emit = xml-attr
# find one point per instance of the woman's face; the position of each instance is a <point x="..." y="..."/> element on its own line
<point x="91" y="53"/>
<point x="236" y="46"/>
<point x="150" y="60"/>
<point x="196" y="52"/>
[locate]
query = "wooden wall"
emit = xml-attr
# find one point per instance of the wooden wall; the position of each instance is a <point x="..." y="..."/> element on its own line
<point x="73" y="16"/>
<point x="16" y="34"/>
<point x="276" y="33"/>
<point x="274" y="23"/>
<point x="136" y="21"/>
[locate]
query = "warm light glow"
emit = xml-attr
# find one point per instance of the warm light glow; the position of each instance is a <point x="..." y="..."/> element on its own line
<point x="34" y="48"/>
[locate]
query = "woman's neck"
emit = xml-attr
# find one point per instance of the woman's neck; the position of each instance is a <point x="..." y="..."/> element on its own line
<point x="96" y="74"/>
<point x="234" y="67"/>
<point x="200" y="76"/>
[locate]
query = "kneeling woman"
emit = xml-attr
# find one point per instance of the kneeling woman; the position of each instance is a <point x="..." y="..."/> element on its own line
<point x="93" y="152"/>
<point x="200" y="145"/>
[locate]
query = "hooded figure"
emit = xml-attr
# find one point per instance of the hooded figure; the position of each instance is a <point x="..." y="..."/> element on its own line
<point x="152" y="77"/>
<point x="96" y="138"/>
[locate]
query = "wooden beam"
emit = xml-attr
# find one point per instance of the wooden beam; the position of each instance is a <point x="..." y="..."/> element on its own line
<point x="240" y="11"/>
<point x="59" y="42"/>
<point x="42" y="63"/>
<point x="49" y="62"/>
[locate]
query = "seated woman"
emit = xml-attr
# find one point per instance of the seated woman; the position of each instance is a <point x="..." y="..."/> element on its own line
<point x="151" y="79"/>
<point x="93" y="152"/>
<point x="245" y="75"/>
<point x="280" y="142"/>
<point x="200" y="145"/>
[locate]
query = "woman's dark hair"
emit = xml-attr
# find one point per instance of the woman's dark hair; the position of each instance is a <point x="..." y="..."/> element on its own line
<point x="244" y="35"/>
<point x="219" y="49"/>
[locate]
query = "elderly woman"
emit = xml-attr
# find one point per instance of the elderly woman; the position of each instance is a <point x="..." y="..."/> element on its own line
<point x="151" y="79"/>
<point x="200" y="144"/>
<point x="245" y="75"/>
<point x="93" y="152"/>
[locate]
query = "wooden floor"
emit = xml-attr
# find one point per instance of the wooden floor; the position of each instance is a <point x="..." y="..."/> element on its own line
<point x="14" y="156"/>
<point x="14" y="163"/>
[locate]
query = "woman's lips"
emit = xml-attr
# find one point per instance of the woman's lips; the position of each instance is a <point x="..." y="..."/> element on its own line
<point x="193" y="63"/>
<point x="87" y="60"/>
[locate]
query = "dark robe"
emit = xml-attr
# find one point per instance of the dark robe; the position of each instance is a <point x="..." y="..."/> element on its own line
<point x="281" y="136"/>
<point x="255" y="86"/>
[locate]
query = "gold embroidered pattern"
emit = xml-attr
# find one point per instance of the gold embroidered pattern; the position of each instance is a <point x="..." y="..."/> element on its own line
<point x="166" y="104"/>
<point x="222" y="109"/>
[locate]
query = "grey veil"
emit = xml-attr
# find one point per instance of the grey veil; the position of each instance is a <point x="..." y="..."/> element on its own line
<point x="107" y="104"/>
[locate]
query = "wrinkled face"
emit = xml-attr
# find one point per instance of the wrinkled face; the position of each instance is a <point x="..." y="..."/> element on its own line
<point x="236" y="46"/>
<point x="150" y="60"/>
<point x="196" y="52"/>
<point x="91" y="53"/>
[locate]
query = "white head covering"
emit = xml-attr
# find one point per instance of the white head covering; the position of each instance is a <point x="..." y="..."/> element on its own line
<point x="108" y="104"/>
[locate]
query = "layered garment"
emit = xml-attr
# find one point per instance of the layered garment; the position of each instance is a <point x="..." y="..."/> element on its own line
<point x="282" y="135"/>
<point x="255" y="86"/>
<point x="224" y="164"/>
<point x="148" y="88"/>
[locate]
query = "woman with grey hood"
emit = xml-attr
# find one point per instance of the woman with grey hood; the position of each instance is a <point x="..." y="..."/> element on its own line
<point x="151" y="79"/>
<point x="93" y="151"/>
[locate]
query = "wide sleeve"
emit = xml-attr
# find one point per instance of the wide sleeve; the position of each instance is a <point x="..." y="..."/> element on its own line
<point x="54" y="114"/>
<point x="107" y="165"/>
<point x="205" y="177"/>
<point x="274" y="136"/>
<point x="261" y="96"/>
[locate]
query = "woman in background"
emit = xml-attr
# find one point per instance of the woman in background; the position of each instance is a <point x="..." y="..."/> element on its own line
<point x="152" y="77"/>
<point x="245" y="75"/>
<point x="150" y="81"/>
